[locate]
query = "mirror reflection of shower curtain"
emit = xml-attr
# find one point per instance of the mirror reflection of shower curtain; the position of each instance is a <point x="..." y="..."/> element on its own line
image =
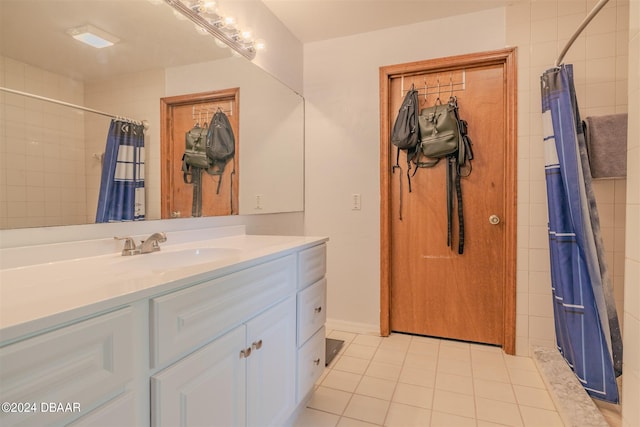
<point x="586" y="321"/>
<point x="122" y="196"/>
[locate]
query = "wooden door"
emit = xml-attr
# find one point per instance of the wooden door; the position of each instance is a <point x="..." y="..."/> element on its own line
<point x="427" y="287"/>
<point x="179" y="115"/>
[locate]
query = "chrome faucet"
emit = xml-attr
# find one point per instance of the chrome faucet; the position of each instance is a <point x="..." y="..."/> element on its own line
<point x="152" y="243"/>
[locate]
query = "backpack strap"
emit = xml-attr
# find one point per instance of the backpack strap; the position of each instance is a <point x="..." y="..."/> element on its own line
<point x="196" y="203"/>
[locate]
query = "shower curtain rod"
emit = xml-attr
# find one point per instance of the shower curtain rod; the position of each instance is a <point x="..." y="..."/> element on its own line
<point x="78" y="107"/>
<point x="579" y="30"/>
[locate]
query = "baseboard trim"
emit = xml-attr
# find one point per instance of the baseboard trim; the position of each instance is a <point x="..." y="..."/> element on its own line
<point x="353" y="327"/>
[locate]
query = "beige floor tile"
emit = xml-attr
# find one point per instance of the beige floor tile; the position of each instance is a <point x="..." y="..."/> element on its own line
<point x="454" y="366"/>
<point x="486" y="348"/>
<point x="490" y="371"/>
<point x="487" y="357"/>
<point x="413" y="395"/>
<point x="482" y="423"/>
<point x="448" y="351"/>
<point x="531" y="396"/>
<point x="442" y="419"/>
<point x="406" y="381"/>
<point x="329" y="400"/>
<point x="398" y="342"/>
<point x="383" y="370"/>
<point x="418" y="376"/>
<point x="351" y="364"/>
<point x="350" y="422"/>
<point x="526" y="378"/>
<point x="424" y="346"/>
<point x="376" y="387"/>
<point x="498" y="412"/>
<point x="456" y="383"/>
<point x="422" y="361"/>
<point x="454" y="403"/>
<point x="341" y="380"/>
<point x="536" y="417"/>
<point x="314" y="418"/>
<point x="360" y="351"/>
<point x="347" y="337"/>
<point x="368" y="340"/>
<point x="400" y="415"/>
<point x="394" y="357"/>
<point x="495" y="390"/>
<point x="519" y="362"/>
<point x="365" y="408"/>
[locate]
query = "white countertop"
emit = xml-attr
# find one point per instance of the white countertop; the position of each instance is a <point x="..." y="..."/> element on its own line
<point x="44" y="294"/>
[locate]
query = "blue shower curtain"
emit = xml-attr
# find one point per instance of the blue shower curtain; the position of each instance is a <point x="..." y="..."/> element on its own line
<point x="586" y="322"/>
<point x="122" y="195"/>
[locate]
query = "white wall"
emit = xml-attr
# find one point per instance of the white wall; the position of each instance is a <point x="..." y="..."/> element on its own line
<point x="342" y="146"/>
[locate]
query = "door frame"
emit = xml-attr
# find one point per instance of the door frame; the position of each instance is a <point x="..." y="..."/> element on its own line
<point x="506" y="58"/>
<point x="166" y="114"/>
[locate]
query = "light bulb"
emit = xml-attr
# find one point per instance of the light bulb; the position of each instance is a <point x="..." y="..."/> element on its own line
<point x="229" y="21"/>
<point x="260" y="44"/>
<point x="208" y="6"/>
<point x="247" y="36"/>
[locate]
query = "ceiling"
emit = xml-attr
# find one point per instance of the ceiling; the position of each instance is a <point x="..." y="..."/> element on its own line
<point x="314" y="20"/>
<point x="34" y="31"/>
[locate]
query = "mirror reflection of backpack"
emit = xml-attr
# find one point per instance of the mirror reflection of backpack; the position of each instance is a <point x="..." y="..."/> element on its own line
<point x="221" y="145"/>
<point x="208" y="148"/>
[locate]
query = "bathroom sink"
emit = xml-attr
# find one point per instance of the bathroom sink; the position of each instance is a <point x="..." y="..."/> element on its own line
<point x="179" y="258"/>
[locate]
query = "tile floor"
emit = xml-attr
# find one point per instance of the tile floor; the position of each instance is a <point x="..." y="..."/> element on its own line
<point x="407" y="381"/>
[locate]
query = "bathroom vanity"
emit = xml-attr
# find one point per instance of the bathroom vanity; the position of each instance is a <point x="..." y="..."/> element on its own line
<point x="226" y="329"/>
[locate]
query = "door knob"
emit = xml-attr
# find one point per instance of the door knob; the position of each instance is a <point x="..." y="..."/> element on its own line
<point x="494" y="219"/>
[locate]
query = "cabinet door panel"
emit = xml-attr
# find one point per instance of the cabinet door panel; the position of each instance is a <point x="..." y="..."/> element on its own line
<point x="119" y="412"/>
<point x="311" y="359"/>
<point x="84" y="364"/>
<point x="312" y="312"/>
<point x="206" y="388"/>
<point x="271" y="370"/>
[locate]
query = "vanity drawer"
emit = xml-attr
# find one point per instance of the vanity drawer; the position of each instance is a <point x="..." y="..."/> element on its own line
<point x="80" y="366"/>
<point x="312" y="312"/>
<point x="312" y="264"/>
<point x="185" y="320"/>
<point x="311" y="358"/>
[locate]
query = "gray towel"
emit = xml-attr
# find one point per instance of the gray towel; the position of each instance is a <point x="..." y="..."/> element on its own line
<point x="606" y="138"/>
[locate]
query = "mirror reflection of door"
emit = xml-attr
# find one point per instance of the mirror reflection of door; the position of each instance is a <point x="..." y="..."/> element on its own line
<point x="201" y="193"/>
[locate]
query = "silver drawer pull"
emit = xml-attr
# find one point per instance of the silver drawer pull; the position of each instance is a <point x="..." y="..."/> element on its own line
<point x="318" y="309"/>
<point x="257" y="345"/>
<point x="245" y="353"/>
<point x="317" y="361"/>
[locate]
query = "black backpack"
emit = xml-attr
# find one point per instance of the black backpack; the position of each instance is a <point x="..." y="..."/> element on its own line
<point x="221" y="144"/>
<point x="405" y="134"/>
<point x="209" y="148"/>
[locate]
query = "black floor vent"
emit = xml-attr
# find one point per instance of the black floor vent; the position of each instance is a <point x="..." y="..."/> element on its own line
<point x="332" y="349"/>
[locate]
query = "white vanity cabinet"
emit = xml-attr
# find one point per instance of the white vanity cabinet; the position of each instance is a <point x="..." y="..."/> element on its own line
<point x="246" y="376"/>
<point x="240" y="344"/>
<point x="312" y="314"/>
<point x="58" y="376"/>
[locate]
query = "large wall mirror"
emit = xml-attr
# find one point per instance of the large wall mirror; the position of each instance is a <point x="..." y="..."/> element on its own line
<point x="51" y="155"/>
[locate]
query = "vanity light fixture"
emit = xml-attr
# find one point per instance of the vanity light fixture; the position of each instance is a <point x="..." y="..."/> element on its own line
<point x="93" y="36"/>
<point x="224" y="29"/>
